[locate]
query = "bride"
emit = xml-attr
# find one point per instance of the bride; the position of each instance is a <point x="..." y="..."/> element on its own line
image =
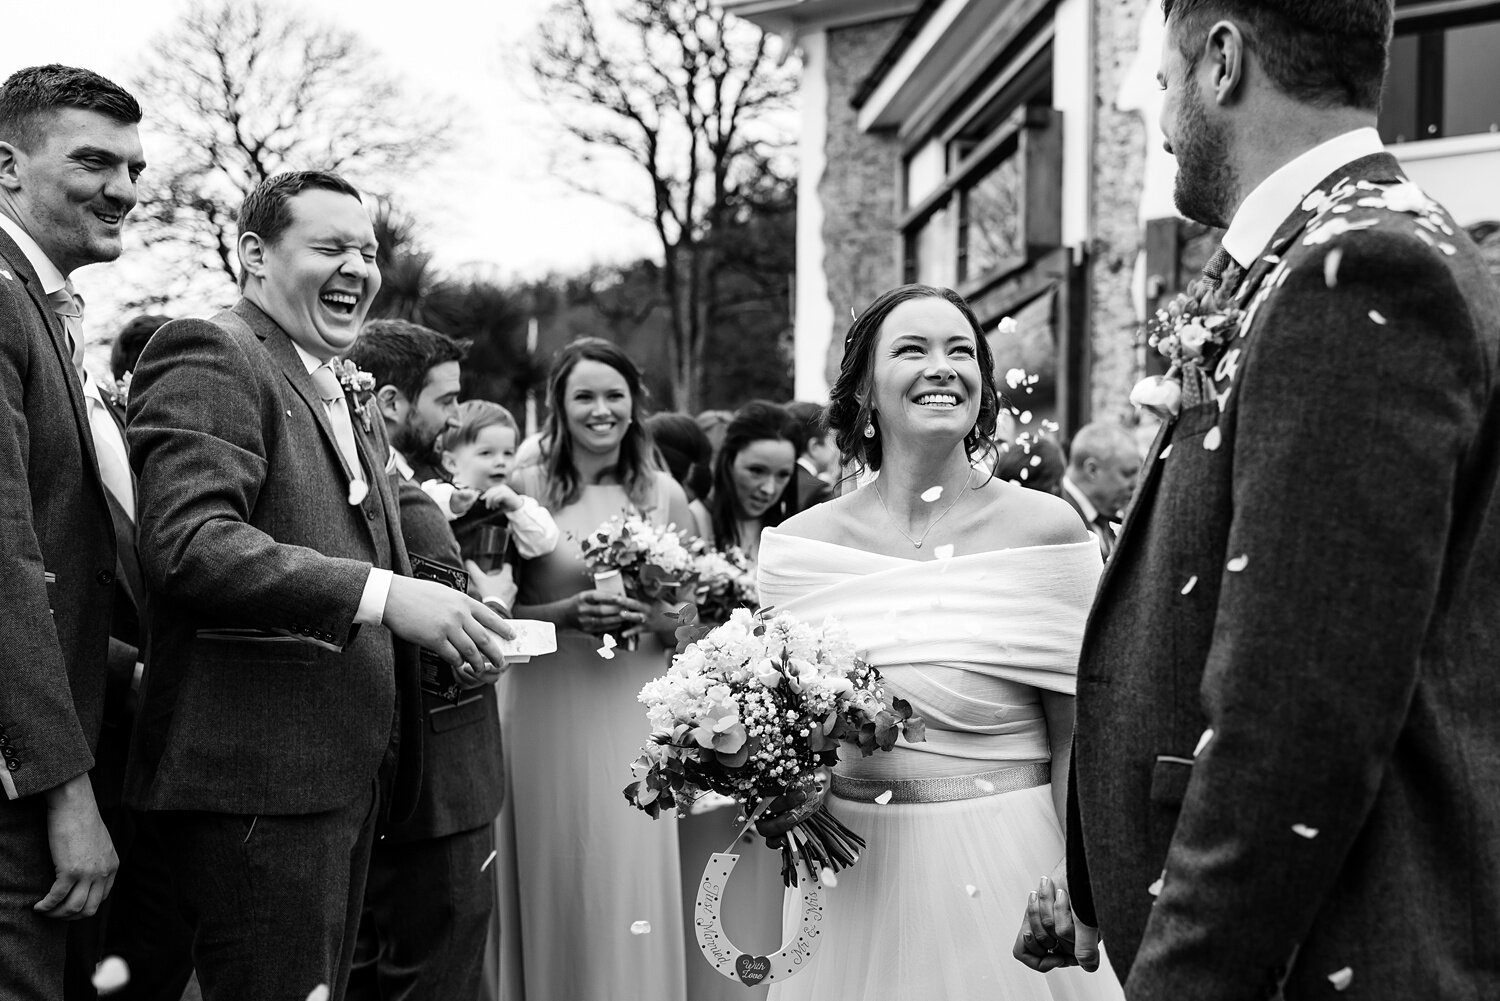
<point x="969" y="594"/>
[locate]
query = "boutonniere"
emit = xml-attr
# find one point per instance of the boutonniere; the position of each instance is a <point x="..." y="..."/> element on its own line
<point x="121" y="394"/>
<point x="359" y="387"/>
<point x="1189" y="332"/>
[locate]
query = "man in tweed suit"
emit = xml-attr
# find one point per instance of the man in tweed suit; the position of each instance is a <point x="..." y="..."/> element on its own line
<point x="70" y="156"/>
<point x="1287" y="758"/>
<point x="280" y="709"/>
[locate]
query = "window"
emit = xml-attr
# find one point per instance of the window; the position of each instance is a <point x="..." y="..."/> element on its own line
<point x="1444" y="76"/>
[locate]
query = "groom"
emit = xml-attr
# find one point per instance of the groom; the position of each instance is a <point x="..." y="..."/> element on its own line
<point x="1287" y="756"/>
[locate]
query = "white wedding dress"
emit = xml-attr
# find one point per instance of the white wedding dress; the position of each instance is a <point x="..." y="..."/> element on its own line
<point x="932" y="908"/>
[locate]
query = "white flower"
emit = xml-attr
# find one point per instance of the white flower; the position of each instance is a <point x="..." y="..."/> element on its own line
<point x="1192" y="337"/>
<point x="766" y="673"/>
<point x="1160" y="396"/>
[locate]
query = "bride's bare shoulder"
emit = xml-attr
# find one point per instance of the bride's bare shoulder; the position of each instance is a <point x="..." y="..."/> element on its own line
<point x="825" y="522"/>
<point x="1032" y="517"/>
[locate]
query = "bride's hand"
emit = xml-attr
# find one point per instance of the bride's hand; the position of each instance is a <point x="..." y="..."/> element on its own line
<point x="785" y="812"/>
<point x="1050" y="936"/>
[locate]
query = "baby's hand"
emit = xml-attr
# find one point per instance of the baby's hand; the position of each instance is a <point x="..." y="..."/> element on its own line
<point x="463" y="498"/>
<point x="501" y="495"/>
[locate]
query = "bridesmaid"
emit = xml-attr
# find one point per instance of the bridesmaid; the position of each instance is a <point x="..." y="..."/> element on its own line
<point x="751" y="471"/>
<point x="590" y="893"/>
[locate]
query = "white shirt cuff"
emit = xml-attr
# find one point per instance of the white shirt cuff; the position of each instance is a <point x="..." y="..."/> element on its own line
<point x="372" y="602"/>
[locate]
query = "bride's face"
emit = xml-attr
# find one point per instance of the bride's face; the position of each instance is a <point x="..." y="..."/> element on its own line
<point x="926" y="372"/>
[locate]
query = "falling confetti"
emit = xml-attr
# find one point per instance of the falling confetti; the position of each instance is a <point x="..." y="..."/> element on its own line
<point x="319" y="993"/>
<point x="884" y="797"/>
<point x="931" y="494"/>
<point x="827" y="877"/>
<point x="111" y="975"/>
<point x="487" y="862"/>
<point x="1303" y="831"/>
<point x="853" y="315"/>
<point x="1015" y="377"/>
<point x="1213" y="439"/>
<point x="1036" y="460"/>
<point x="1166" y="451"/>
<point x="1025" y="474"/>
<point x="943" y="552"/>
<point x="1192" y="583"/>
<point x="605" y="652"/>
<point x="1341" y="979"/>
<point x="985" y="785"/>
<point x="1238" y="564"/>
<point x="1331" y="266"/>
<point x="971" y="889"/>
<point x="1007" y="325"/>
<point x="1155" y="888"/>
<point x="640" y="928"/>
<point x="1203" y="741"/>
<point x="358" y="491"/>
<point x="1025" y="417"/>
<point x="1376" y="317"/>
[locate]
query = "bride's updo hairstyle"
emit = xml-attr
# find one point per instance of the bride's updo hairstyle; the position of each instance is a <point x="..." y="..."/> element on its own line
<point x="849" y="401"/>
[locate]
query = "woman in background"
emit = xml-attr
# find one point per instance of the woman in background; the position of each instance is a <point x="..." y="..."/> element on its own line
<point x="751" y="472"/>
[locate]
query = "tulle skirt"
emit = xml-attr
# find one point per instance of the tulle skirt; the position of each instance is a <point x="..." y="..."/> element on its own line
<point x="932" y="908"/>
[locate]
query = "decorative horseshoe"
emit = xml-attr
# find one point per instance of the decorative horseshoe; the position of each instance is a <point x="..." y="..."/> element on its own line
<point x="750" y="970"/>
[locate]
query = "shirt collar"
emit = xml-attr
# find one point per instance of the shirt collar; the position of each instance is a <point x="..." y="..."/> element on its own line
<point x="91" y="387"/>
<point x="307" y="357"/>
<point x="47" y="273"/>
<point x="807" y="464"/>
<point x="1275" y="198"/>
<point x="1090" y="512"/>
<point x="400" y="465"/>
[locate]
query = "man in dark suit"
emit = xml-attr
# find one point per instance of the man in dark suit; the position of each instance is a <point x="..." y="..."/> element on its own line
<point x="428" y="906"/>
<point x="69" y="158"/>
<point x="816" y="456"/>
<point x="1104" y="463"/>
<point x="280" y="708"/>
<point x="1287" y="762"/>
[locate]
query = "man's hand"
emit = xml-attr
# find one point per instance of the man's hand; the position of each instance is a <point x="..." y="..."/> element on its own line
<point x="1050" y="937"/>
<point x="491" y="587"/>
<point x="82" y="852"/>
<point x="462" y="631"/>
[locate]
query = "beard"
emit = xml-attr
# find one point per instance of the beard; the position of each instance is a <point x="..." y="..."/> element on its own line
<point x="417" y="447"/>
<point x="1206" y="178"/>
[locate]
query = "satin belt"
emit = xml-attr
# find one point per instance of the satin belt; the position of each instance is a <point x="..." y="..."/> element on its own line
<point x="945" y="790"/>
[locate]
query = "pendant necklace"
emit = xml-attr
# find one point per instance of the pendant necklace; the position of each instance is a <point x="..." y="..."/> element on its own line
<point x="917" y="542"/>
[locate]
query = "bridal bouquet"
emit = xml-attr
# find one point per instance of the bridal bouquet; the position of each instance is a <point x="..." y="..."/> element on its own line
<point x="652" y="561"/>
<point x="724" y="582"/>
<point x="752" y="710"/>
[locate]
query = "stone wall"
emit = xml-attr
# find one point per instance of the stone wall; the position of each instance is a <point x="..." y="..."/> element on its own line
<point x="858" y="188"/>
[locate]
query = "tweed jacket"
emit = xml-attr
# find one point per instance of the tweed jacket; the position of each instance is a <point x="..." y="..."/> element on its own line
<point x="1287" y="759"/>
<point x="57" y="549"/>
<point x="261" y="694"/>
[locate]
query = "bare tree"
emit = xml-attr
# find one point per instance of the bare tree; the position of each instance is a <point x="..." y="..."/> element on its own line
<point x="243" y="89"/>
<point x="687" y="95"/>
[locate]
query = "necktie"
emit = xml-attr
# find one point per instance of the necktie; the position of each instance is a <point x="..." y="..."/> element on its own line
<point x="1213" y="271"/>
<point x="332" y="395"/>
<point x="1106" y="535"/>
<point x="112" y="470"/>
<point x="69" y="309"/>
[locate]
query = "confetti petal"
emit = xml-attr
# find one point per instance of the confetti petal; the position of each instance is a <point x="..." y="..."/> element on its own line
<point x="1155" y="888"/>
<point x="1025" y="473"/>
<point x="1192" y="583"/>
<point x="1213" y="439"/>
<point x="943" y="552"/>
<point x="319" y="993"/>
<point x="853" y="315"/>
<point x="828" y="877"/>
<point x="931" y="494"/>
<point x="111" y="975"/>
<point x="1238" y="564"/>
<point x="971" y="889"/>
<point x="640" y="928"/>
<point x="1303" y="831"/>
<point x="1165" y="452"/>
<point x="884" y="797"/>
<point x="1376" y="317"/>
<point x="1025" y="417"/>
<point x="1331" y="266"/>
<point x="358" y="491"/>
<point x="1341" y="979"/>
<point x="610" y="641"/>
<point x="1203" y="741"/>
<point x="1036" y="460"/>
<point x="487" y="862"/>
<point x="606" y="653"/>
<point x="1007" y="325"/>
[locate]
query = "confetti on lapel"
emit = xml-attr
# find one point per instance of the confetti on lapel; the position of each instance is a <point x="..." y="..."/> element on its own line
<point x="1376" y="317"/>
<point x="1331" y="266"/>
<point x="319" y="993"/>
<point x="289" y="413"/>
<point x="358" y="491"/>
<point x="1192" y="583"/>
<point x="1303" y="831"/>
<point x="1341" y="979"/>
<point x="971" y="889"/>
<point x="931" y="494"/>
<point x="1448" y="249"/>
<point x="1165" y="452"/>
<point x="1213" y="439"/>
<point x="1203" y="741"/>
<point x="640" y="928"/>
<point x="1155" y="888"/>
<point x="1238" y="564"/>
<point x="7" y="275"/>
<point x="943" y="552"/>
<point x="827" y="877"/>
<point x="884" y="797"/>
<point x="111" y="975"/>
<point x="487" y="862"/>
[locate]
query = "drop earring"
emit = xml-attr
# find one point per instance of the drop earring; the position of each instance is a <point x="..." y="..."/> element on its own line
<point x="870" y="429"/>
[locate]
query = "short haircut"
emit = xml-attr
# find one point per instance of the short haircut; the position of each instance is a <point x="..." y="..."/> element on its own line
<point x="1330" y="53"/>
<point x="401" y="353"/>
<point x="267" y="212"/>
<point x="473" y="417"/>
<point x="132" y="340"/>
<point x="30" y="94"/>
<point x="811" y="421"/>
<point x="1101" y="442"/>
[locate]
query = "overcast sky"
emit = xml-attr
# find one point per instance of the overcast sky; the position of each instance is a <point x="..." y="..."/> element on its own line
<point x="497" y="203"/>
